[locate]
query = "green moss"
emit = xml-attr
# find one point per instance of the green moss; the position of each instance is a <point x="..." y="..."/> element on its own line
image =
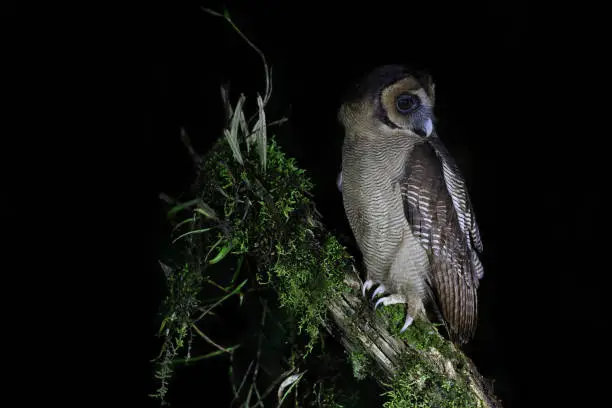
<point x="184" y="284"/>
<point x="309" y="277"/>
<point x="421" y="334"/>
<point x="361" y="364"/>
<point x="420" y="385"/>
<point x="272" y="217"/>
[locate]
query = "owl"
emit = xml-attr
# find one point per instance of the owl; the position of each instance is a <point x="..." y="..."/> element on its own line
<point x="407" y="203"/>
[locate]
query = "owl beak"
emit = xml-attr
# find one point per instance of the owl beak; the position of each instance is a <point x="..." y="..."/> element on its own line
<point x="426" y="129"/>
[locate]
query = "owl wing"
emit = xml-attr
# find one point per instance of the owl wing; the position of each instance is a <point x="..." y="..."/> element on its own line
<point x="461" y="201"/>
<point x="436" y="209"/>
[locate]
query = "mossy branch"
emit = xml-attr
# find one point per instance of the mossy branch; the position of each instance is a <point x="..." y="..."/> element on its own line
<point x="441" y="375"/>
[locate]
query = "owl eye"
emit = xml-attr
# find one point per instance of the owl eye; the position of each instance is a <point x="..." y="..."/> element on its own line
<point x="407" y="103"/>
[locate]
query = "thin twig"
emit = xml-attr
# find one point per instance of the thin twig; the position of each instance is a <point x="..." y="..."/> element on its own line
<point x="279" y="379"/>
<point x="226" y="16"/>
<point x="167" y="199"/>
<point x="278" y="122"/>
<point x="225" y="90"/>
<point x="209" y="340"/>
<point x="217" y="303"/>
<point x="232" y="381"/>
<point x="237" y="393"/>
<point x="216" y="285"/>
<point x="261" y="335"/>
<point x="205" y="356"/>
<point x="195" y="157"/>
<point x="247" y="403"/>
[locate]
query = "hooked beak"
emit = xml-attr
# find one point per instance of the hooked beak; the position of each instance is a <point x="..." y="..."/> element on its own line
<point x="425" y="129"/>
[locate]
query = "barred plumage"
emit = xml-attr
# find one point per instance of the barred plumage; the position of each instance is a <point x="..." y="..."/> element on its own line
<point x="435" y="219"/>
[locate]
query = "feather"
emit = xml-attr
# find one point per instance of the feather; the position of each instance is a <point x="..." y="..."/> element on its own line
<point x="436" y="208"/>
<point x="456" y="188"/>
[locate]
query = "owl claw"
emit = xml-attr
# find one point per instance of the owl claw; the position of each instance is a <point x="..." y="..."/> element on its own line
<point x="380" y="289"/>
<point x="407" y="323"/>
<point x="366" y="286"/>
<point x="390" y="300"/>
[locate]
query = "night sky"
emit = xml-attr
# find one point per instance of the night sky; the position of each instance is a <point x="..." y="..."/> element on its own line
<point x="512" y="87"/>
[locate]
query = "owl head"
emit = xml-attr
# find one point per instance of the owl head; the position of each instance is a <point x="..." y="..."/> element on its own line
<point x="391" y="97"/>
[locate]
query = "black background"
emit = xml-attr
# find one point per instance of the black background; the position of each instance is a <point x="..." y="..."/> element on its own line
<point x="516" y="89"/>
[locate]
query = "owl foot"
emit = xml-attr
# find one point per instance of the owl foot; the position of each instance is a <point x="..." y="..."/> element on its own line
<point x="392" y="300"/>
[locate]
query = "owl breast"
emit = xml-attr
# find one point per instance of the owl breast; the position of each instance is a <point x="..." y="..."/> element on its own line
<point x="373" y="204"/>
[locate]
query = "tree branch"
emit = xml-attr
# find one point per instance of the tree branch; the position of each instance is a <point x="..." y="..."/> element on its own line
<point x="360" y="329"/>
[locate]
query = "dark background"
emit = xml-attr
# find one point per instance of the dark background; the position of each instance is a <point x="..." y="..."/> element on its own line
<point x="516" y="98"/>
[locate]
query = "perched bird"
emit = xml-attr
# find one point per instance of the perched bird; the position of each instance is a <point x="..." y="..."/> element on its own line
<point x="406" y="202"/>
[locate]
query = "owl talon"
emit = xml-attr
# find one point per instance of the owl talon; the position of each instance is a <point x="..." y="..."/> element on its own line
<point x="380" y="289"/>
<point x="366" y="286"/>
<point x="390" y="300"/>
<point x="407" y="323"/>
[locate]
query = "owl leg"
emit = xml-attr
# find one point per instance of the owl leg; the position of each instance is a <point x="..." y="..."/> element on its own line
<point x="393" y="300"/>
<point x="406" y="274"/>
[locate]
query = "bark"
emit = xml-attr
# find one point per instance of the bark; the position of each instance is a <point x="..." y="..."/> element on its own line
<point x="360" y="329"/>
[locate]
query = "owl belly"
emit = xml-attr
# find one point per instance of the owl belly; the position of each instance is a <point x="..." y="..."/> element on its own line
<point x="375" y="213"/>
